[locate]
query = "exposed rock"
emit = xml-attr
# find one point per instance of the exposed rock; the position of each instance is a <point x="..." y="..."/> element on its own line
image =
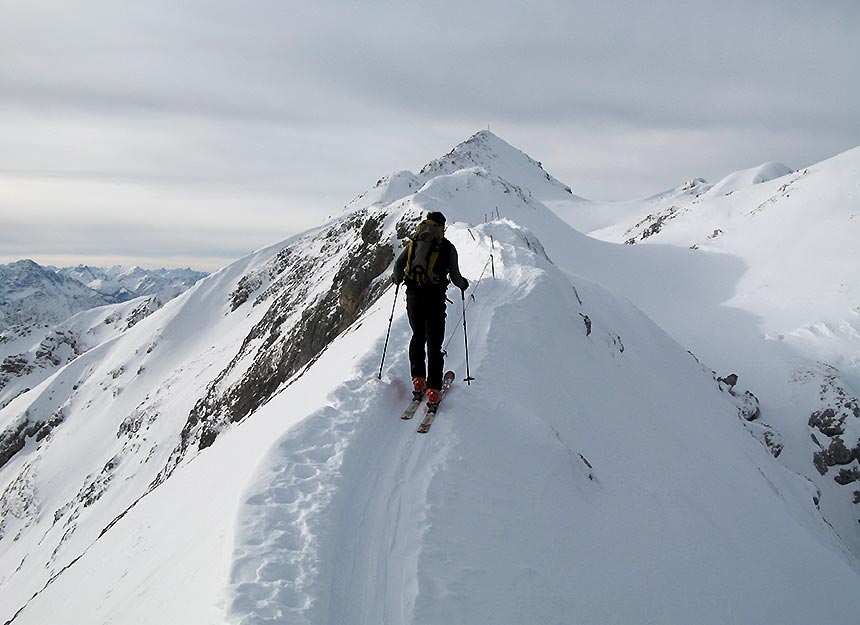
<point x="746" y="402"/>
<point x="773" y="441"/>
<point x="96" y="485"/>
<point x="587" y="322"/>
<point x="749" y="411"/>
<point x="18" y="502"/>
<point x="146" y="308"/>
<point x="766" y="435"/>
<point x="406" y="226"/>
<point x="848" y="476"/>
<point x="827" y="422"/>
<point x="17" y="365"/>
<point x="748" y="406"/>
<point x="836" y="454"/>
<point x="57" y="348"/>
<point x="254" y="281"/>
<point x="652" y="224"/>
<point x="14" y="438"/>
<point x="730" y="380"/>
<point x="830" y="421"/>
<point x="320" y="292"/>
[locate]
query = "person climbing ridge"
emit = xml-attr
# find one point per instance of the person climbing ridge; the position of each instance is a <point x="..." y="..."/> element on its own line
<point x="424" y="266"/>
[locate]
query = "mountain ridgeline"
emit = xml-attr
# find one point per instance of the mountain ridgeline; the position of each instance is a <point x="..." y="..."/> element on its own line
<point x="232" y="457"/>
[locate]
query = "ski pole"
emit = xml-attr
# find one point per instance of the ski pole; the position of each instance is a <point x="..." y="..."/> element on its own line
<point x="468" y="379"/>
<point x="387" y="334"/>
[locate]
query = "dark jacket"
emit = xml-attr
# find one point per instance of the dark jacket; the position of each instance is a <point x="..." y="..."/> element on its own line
<point x="446" y="264"/>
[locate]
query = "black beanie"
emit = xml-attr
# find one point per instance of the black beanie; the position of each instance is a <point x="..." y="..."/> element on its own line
<point x="436" y="216"/>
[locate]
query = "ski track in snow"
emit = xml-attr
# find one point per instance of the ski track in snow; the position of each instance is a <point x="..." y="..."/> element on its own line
<point x="319" y="494"/>
<point x="334" y="526"/>
<point x="328" y="528"/>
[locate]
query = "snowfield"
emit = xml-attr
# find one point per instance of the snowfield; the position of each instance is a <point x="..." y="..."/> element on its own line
<point x="233" y="458"/>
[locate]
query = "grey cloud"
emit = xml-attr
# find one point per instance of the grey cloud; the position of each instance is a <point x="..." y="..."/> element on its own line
<point x="671" y="64"/>
<point x="142" y="240"/>
<point x="290" y="109"/>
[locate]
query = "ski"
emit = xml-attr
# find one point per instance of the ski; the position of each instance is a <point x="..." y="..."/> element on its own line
<point x="447" y="381"/>
<point x="411" y="409"/>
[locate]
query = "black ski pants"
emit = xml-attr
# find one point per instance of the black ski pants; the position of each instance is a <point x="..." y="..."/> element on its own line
<point x="425" y="307"/>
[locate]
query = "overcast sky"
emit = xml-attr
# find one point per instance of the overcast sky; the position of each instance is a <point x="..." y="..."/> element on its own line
<point x="189" y="133"/>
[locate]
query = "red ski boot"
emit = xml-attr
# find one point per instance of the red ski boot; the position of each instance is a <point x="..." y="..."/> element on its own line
<point x="432" y="398"/>
<point x="418" y="387"/>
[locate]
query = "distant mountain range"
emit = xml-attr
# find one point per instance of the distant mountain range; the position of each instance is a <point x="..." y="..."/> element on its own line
<point x="49" y="316"/>
<point x="34" y="294"/>
<point x="124" y="283"/>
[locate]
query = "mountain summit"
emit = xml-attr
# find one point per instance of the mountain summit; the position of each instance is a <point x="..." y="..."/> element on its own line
<point x="233" y="457"/>
<point x="485" y="152"/>
<point x="497" y="157"/>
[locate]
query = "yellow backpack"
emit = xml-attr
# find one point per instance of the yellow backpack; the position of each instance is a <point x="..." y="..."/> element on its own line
<point x="423" y="251"/>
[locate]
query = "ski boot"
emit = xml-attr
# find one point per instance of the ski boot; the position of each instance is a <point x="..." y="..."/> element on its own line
<point x="432" y="400"/>
<point x="418" y="387"/>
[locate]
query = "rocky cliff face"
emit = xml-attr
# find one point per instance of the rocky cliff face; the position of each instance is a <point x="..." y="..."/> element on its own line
<point x="313" y="290"/>
<point x="835" y="428"/>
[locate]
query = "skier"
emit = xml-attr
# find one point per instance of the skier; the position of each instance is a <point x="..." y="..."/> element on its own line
<point x="424" y="266"/>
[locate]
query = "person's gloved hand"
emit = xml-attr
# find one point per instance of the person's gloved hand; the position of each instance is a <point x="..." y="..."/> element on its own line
<point x="464" y="285"/>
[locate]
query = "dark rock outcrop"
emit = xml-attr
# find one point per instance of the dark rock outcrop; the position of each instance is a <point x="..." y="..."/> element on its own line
<point x="836" y="454"/>
<point x="320" y="286"/>
<point x="830" y="422"/>
<point x="14" y="438"/>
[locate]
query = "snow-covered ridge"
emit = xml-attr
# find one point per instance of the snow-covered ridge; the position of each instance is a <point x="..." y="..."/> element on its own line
<point x="138" y="493"/>
<point x="749" y="177"/>
<point x="496" y="156"/>
<point x="484" y="151"/>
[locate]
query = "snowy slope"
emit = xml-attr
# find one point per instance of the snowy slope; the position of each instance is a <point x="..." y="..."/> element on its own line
<point x="232" y="458"/>
<point x="27" y="360"/>
<point x="764" y="282"/>
<point x="644" y="217"/>
<point x="49" y="316"/>
<point x="797" y="234"/>
<point x="748" y="177"/>
<point x="500" y="159"/>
